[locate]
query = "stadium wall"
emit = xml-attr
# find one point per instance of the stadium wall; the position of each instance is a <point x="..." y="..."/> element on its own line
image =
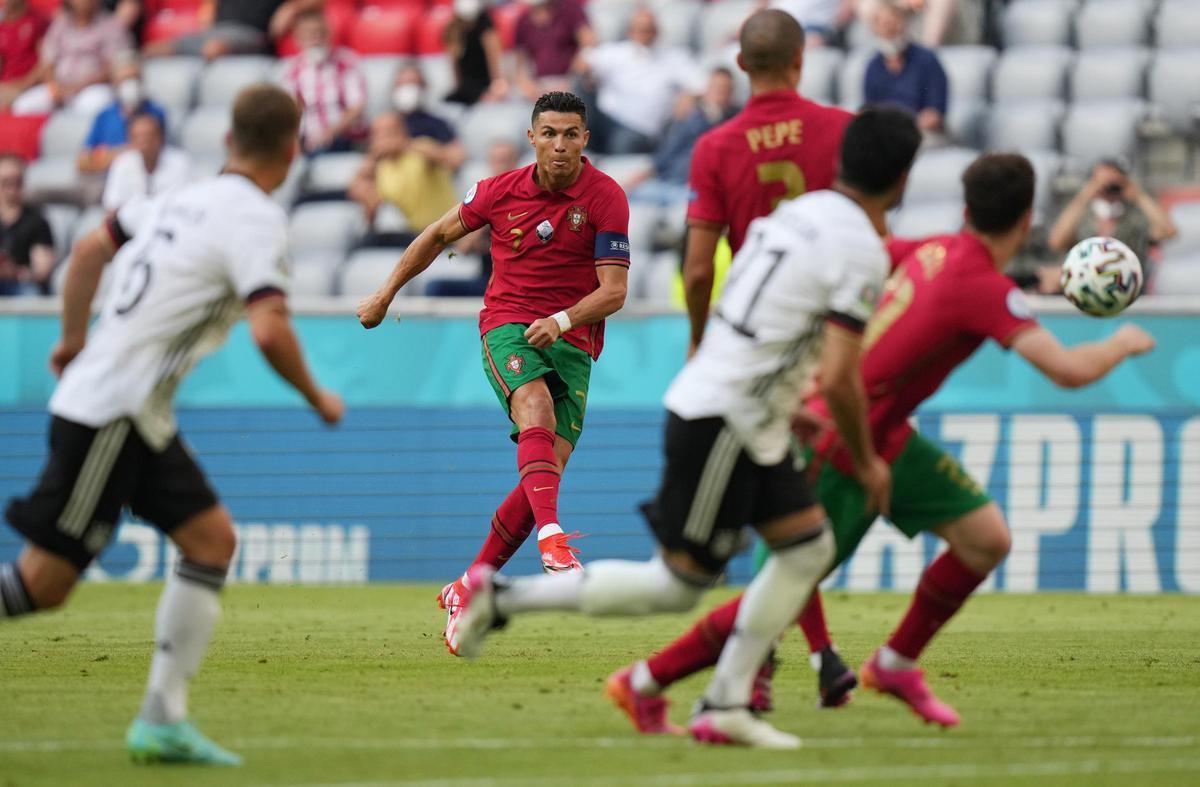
<point x="1101" y="486"/>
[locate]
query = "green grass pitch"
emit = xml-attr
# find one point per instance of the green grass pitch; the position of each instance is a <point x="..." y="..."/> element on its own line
<point x="352" y="686"/>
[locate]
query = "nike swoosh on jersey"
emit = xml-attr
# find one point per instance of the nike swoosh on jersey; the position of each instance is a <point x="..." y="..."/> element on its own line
<point x="542" y="488"/>
<point x="515" y="216"/>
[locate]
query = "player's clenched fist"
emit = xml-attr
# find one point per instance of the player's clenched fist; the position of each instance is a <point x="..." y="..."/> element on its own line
<point x="372" y="310"/>
<point x="543" y="333"/>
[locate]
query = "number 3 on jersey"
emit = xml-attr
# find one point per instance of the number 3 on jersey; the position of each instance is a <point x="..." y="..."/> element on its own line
<point x="786" y="172"/>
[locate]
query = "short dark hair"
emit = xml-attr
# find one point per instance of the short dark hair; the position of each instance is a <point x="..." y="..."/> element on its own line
<point x="559" y="101"/>
<point x="143" y="114"/>
<point x="998" y="188"/>
<point x="309" y="15"/>
<point x="265" y="123"/>
<point x="769" y="41"/>
<point x="878" y="147"/>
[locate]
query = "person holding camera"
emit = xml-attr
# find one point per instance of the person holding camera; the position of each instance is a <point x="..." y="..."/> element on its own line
<point x="1111" y="204"/>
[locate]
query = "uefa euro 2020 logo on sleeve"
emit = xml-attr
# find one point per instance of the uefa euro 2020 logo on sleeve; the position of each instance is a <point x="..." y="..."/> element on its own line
<point x="545" y="231"/>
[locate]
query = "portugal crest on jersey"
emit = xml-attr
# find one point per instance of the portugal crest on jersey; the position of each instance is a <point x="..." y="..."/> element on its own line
<point x="576" y="217"/>
<point x="515" y="364"/>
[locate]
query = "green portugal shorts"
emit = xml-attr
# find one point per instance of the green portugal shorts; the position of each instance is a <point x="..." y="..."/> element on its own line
<point x="510" y="361"/>
<point x="929" y="489"/>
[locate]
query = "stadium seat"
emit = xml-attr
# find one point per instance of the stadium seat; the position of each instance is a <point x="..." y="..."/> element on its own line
<point x="329" y="227"/>
<point x="486" y="123"/>
<point x="332" y="171"/>
<point x="313" y="273"/>
<point x="920" y="220"/>
<point x="64" y="133"/>
<point x="22" y="134"/>
<point x="654" y="278"/>
<point x="1031" y="72"/>
<point x="172" y="80"/>
<point x="936" y="175"/>
<point x="619" y="168"/>
<point x="644" y="220"/>
<point x="438" y="73"/>
<point x="1109" y="73"/>
<point x="1047" y="166"/>
<point x="1093" y="130"/>
<point x="677" y="22"/>
<point x="62" y="220"/>
<point x="1025" y="125"/>
<point x="1038" y="23"/>
<point x="850" y="81"/>
<point x="287" y="193"/>
<point x="383" y="31"/>
<point x="1178" y="24"/>
<point x="721" y="22"/>
<point x="1175" y="87"/>
<point x="1110" y="23"/>
<point x="610" y="18"/>
<point x="1177" y="275"/>
<point x="430" y="37"/>
<point x="965" y="121"/>
<point x="169" y="24"/>
<point x="1186" y="216"/>
<point x="223" y="79"/>
<point x="968" y="69"/>
<point x="52" y="177"/>
<point x="365" y="269"/>
<point x="379" y="71"/>
<point x="819" y="75"/>
<point x="505" y="17"/>
<point x="91" y="218"/>
<point x="203" y="132"/>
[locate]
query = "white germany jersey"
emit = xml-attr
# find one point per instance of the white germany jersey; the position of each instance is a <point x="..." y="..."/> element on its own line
<point x="815" y="258"/>
<point x="180" y="283"/>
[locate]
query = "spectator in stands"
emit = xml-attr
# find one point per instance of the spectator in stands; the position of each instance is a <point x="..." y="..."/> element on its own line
<point x="26" y="245"/>
<point x="904" y="73"/>
<point x="148" y="167"/>
<point x="408" y="98"/>
<point x="549" y="35"/>
<point x="474" y="45"/>
<point x="636" y="87"/>
<point x="501" y="157"/>
<point x="239" y="27"/>
<point x="110" y="129"/>
<point x="412" y="173"/>
<point x="1114" y="205"/>
<point x="130" y="13"/>
<point x="329" y="86"/>
<point x="666" y="183"/>
<point x="21" y="32"/>
<point x="81" y="47"/>
<point x="822" y="20"/>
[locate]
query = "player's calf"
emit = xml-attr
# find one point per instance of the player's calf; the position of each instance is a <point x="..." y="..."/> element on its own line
<point x="37" y="582"/>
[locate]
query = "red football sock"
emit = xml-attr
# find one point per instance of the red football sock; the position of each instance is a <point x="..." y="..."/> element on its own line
<point x="539" y="473"/>
<point x="944" y="588"/>
<point x="511" y="525"/>
<point x="698" y="648"/>
<point x="812" y="622"/>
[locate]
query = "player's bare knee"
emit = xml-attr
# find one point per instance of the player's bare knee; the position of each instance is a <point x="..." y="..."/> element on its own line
<point x="48" y="586"/>
<point x="208" y="538"/>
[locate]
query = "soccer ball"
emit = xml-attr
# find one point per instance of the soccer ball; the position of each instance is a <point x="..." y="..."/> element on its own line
<point x="1102" y="276"/>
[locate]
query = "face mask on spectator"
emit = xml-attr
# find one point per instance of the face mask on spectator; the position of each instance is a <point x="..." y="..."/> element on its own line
<point x="468" y="9"/>
<point x="317" y="53"/>
<point x="129" y="93"/>
<point x="892" y="47"/>
<point x="406" y="98"/>
<point x="1108" y="210"/>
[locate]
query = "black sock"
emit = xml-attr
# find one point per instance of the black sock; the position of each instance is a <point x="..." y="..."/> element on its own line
<point x="14" y="598"/>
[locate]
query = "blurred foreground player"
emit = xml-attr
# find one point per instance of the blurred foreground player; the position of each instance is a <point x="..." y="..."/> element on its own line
<point x="190" y="264"/>
<point x="945" y="298"/>
<point x="560" y="257"/>
<point x="802" y="289"/>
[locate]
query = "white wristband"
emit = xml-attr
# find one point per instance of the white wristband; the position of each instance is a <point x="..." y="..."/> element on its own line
<point x="564" y="322"/>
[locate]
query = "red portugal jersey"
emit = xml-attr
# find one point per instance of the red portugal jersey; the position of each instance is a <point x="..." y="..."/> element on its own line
<point x="546" y="245"/>
<point x="778" y="147"/>
<point x="944" y="298"/>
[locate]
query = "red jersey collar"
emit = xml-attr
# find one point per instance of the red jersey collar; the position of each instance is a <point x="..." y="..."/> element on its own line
<point x="978" y="251"/>
<point x="773" y="96"/>
<point x="531" y="188"/>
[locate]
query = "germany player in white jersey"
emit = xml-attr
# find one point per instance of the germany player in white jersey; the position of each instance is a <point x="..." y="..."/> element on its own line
<point x="189" y="264"/>
<point x="803" y="286"/>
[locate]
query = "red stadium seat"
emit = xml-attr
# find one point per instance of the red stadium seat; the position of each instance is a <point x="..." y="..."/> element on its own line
<point x="168" y="25"/>
<point x="418" y="5"/>
<point x="383" y="31"/>
<point x="21" y="135"/>
<point x="505" y="18"/>
<point x="46" y="8"/>
<point x="432" y="30"/>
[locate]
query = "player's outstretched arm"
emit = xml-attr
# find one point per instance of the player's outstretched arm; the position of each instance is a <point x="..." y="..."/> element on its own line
<point x="272" y="331"/>
<point x="416" y="258"/>
<point x="1083" y="364"/>
<point x="698" y="274"/>
<point x="88" y="258"/>
<point x="842" y="387"/>
<point x="604" y="301"/>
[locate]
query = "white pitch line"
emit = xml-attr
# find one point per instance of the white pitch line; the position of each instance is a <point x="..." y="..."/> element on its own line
<point x="881" y="773"/>
<point x="947" y="742"/>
